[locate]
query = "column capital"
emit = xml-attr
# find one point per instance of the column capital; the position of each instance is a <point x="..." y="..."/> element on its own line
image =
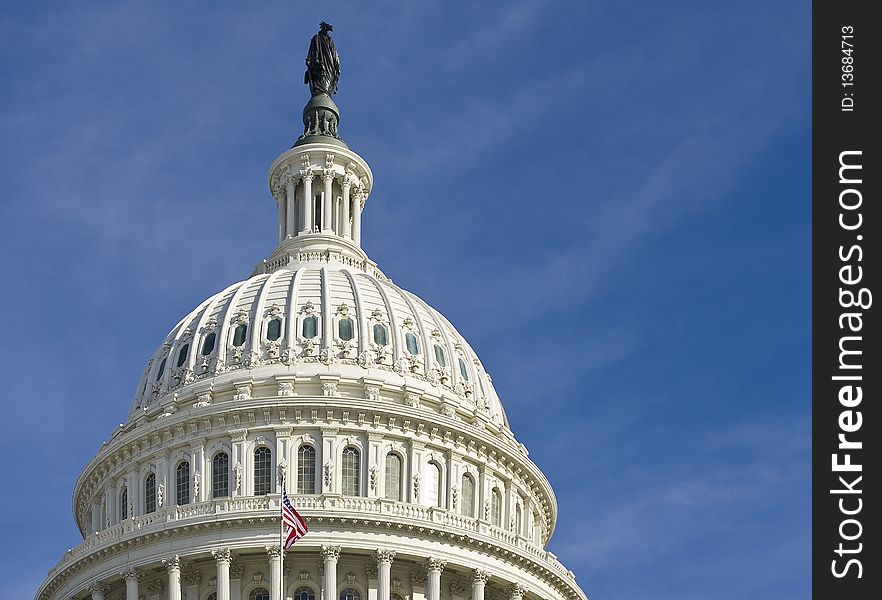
<point x="273" y="551"/>
<point x="345" y="183"/>
<point x="222" y="555"/>
<point x="516" y="591"/>
<point x="435" y="564"/>
<point x="479" y="577"/>
<point x="328" y="174"/>
<point x="331" y="552"/>
<point x="130" y="573"/>
<point x="308" y="176"/>
<point x="385" y="556"/>
<point x="172" y="563"/>
<point x="98" y="588"/>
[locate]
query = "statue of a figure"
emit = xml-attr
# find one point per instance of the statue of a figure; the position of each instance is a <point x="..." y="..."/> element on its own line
<point x="322" y="63"/>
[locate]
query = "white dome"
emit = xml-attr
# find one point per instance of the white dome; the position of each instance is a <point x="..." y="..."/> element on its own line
<point x="314" y="318"/>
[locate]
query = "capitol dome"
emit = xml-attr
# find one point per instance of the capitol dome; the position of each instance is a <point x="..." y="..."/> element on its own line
<point x="319" y="374"/>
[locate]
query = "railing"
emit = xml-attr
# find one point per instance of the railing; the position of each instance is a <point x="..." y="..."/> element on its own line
<point x="312" y="506"/>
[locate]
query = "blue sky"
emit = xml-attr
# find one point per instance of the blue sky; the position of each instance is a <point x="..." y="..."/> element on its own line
<point x="610" y="200"/>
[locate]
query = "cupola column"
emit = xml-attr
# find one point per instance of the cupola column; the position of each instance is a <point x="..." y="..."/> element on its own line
<point x="330" y="554"/>
<point x="384" y="571"/>
<point x="131" y="577"/>
<point x="433" y="570"/>
<point x="290" y="208"/>
<point x="173" y="566"/>
<point x="479" y="580"/>
<point x="327" y="211"/>
<point x="275" y="571"/>
<point x="307" y="205"/>
<point x="223" y="556"/>
<point x="356" y="217"/>
<point x="347" y="227"/>
<point x="98" y="590"/>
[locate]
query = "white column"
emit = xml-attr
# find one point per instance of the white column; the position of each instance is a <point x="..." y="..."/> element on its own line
<point x="98" y="590"/>
<point x="330" y="554"/>
<point x="131" y="577"/>
<point x="223" y="556"/>
<point x="434" y="566"/>
<point x="275" y="571"/>
<point x="356" y="217"/>
<point x="96" y="517"/>
<point x="290" y="208"/>
<point x="479" y="580"/>
<point x="307" y="205"/>
<point x="327" y="210"/>
<point x="384" y="570"/>
<point x="173" y="566"/>
<point x="347" y="228"/>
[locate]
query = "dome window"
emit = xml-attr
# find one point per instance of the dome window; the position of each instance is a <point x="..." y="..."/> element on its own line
<point x="259" y="594"/>
<point x="182" y="483"/>
<point x="463" y="370"/>
<point x="344" y="329"/>
<point x="161" y="369"/>
<point x="496" y="507"/>
<point x="351" y="471"/>
<point x="239" y="334"/>
<point x="306" y="470"/>
<point x="274" y="330"/>
<point x="439" y="356"/>
<point x="411" y="342"/>
<point x="350" y="594"/>
<point x="262" y="471"/>
<point x="150" y="494"/>
<point x="380" y="335"/>
<point x="182" y="355"/>
<point x="208" y="344"/>
<point x="124" y="504"/>
<point x="220" y="475"/>
<point x="393" y="477"/>
<point x="310" y="327"/>
<point x="468" y="496"/>
<point x="303" y="593"/>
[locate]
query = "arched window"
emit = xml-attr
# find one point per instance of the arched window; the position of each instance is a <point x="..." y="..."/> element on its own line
<point x="239" y="334"/>
<point x="351" y="471"/>
<point x="220" y="475"/>
<point x="380" y="338"/>
<point x="393" y="477"/>
<point x="496" y="507"/>
<point x="439" y="356"/>
<point x="350" y="594"/>
<point x="303" y="593"/>
<point x="182" y="354"/>
<point x="410" y="341"/>
<point x="306" y="470"/>
<point x="274" y="329"/>
<point x="124" y="504"/>
<point x="462" y="369"/>
<point x="161" y="369"/>
<point x="208" y="344"/>
<point x="519" y="518"/>
<point x="468" y="495"/>
<point x="310" y="327"/>
<point x="150" y="494"/>
<point x="259" y="594"/>
<point x="433" y="484"/>
<point x="262" y="471"/>
<point x="345" y="329"/>
<point x="182" y="483"/>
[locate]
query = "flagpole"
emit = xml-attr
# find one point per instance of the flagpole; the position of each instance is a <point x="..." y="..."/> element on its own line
<point x="282" y="543"/>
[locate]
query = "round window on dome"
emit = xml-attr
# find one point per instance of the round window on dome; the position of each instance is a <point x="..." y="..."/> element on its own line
<point x="310" y="327"/>
<point x="463" y="370"/>
<point x="344" y="329"/>
<point x="274" y="330"/>
<point x="182" y="354"/>
<point x="239" y="335"/>
<point x="410" y="341"/>
<point x="208" y="344"/>
<point x="439" y="356"/>
<point x="380" y="335"/>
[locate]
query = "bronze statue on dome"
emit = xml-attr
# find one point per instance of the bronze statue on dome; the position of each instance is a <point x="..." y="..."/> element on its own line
<point x="322" y="63"/>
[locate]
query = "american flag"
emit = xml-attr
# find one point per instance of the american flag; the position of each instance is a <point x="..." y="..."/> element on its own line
<point x="294" y="522"/>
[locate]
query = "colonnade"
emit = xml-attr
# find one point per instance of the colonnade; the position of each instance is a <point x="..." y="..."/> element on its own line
<point x="297" y="215"/>
<point x="330" y="554"/>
